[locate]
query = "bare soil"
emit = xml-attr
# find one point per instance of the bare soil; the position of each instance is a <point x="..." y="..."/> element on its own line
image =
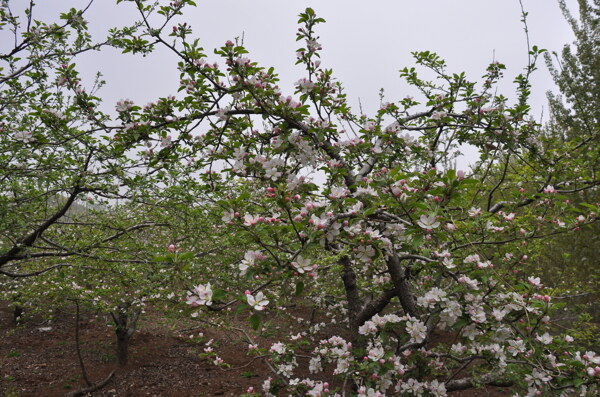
<point x="164" y="362"/>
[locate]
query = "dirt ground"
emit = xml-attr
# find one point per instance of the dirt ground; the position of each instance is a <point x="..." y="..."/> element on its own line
<point x="164" y="362"/>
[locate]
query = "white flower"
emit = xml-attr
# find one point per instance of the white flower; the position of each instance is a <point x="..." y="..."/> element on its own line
<point x="546" y="339"/>
<point x="537" y="377"/>
<point x="474" y="212"/>
<point x="477" y="313"/>
<point x="438" y="115"/>
<point x="367" y="328"/>
<point x="56" y="113"/>
<point x="516" y="346"/>
<point x="416" y="329"/>
<point x="266" y="386"/>
<point x="535" y="281"/>
<point x="365" y="253"/>
<point x="432" y="297"/>
<point x="315" y="365"/>
<point x="376" y="352"/>
<point x="437" y="389"/>
<point x="473" y="284"/>
<point x="313" y="45"/>
<point x="412" y="386"/>
<point x="124" y="105"/>
<point x="499" y="314"/>
<point x="355" y="209"/>
<point x="448" y="263"/>
<point x="338" y="192"/>
<point x="451" y="313"/>
<point x="24" y="136"/>
<point x="278" y="348"/>
<point x="251" y="220"/>
<point x="222" y="113"/>
<point x="458" y="348"/>
<point x="250" y="259"/>
<point x="364" y="392"/>
<point x="166" y="142"/>
<point x="271" y="171"/>
<point x="484" y="264"/>
<point x="569" y="338"/>
<point x="509" y="217"/>
<point x="304" y="85"/>
<point x="365" y="191"/>
<point x="228" y="216"/>
<point x="428" y="222"/>
<point x="319" y="222"/>
<point x="200" y="295"/>
<point x="259" y="302"/>
<point x="591" y="357"/>
<point x="302" y="264"/>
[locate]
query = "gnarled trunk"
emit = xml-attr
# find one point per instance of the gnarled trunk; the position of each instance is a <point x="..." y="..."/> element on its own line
<point x="352" y="296"/>
<point x="125" y="327"/>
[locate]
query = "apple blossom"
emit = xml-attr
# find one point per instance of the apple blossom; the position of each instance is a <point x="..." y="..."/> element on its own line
<point x="200" y="295"/>
<point x="258" y="302"/>
<point x="428" y="222"/>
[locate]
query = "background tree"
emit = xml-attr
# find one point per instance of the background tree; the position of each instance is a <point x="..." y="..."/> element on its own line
<point x="78" y="201"/>
<point x="570" y="262"/>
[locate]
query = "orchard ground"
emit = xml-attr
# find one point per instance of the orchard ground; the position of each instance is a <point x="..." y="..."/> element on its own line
<point x="39" y="359"/>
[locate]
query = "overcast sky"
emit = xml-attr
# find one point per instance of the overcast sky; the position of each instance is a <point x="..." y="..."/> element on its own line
<point x="365" y="43"/>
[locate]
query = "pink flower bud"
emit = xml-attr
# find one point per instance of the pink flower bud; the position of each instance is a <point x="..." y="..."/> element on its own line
<point x="171" y="248"/>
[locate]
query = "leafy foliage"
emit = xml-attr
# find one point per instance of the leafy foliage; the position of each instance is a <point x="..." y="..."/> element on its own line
<point x="231" y="193"/>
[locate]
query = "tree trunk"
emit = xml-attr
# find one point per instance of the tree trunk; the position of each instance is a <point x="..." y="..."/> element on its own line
<point x="353" y="298"/>
<point x="125" y="327"/>
<point x="122" y="346"/>
<point x="17" y="313"/>
<point x="401" y="285"/>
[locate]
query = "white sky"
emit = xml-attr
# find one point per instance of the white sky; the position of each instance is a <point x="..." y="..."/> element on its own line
<point x="364" y="42"/>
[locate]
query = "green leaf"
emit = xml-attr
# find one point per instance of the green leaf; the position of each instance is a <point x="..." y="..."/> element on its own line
<point x="186" y="256"/>
<point x="241" y="307"/>
<point x="219" y="295"/>
<point x="299" y="288"/>
<point x="255" y="321"/>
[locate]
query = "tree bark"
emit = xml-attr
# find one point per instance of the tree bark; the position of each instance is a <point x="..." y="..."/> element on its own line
<point x="352" y="296"/>
<point x="122" y="346"/>
<point x="125" y="327"/>
<point x="401" y="285"/>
